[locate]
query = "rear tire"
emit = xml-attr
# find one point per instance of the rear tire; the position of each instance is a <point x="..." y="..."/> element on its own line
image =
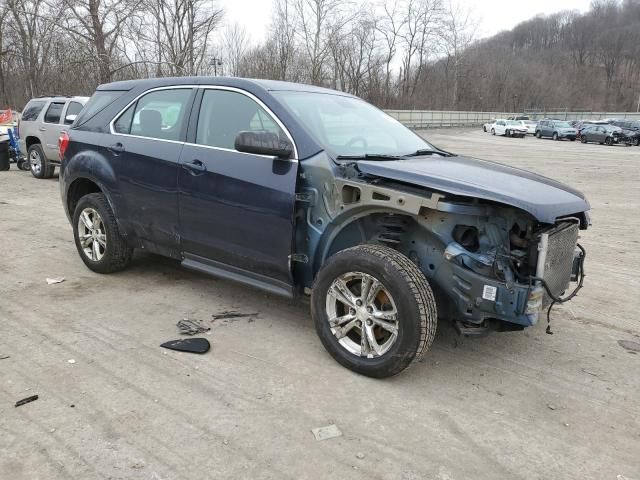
<point x="555" y="136"/>
<point x="493" y="131"/>
<point x="583" y="138"/>
<point x="538" y="134"/>
<point x="608" y="141"/>
<point x="38" y="163"/>
<point x="99" y="226"/>
<point x="403" y="294"/>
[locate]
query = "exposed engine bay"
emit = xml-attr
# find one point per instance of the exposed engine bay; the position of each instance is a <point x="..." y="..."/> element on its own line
<point x="491" y="266"/>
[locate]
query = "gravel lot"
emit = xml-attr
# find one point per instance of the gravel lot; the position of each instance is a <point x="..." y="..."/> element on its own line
<point x="512" y="405"/>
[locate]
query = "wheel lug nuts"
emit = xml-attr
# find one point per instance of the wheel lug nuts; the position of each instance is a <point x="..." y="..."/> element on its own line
<point x="352" y="311"/>
<point x="369" y="322"/>
<point x="359" y="303"/>
<point x="369" y="310"/>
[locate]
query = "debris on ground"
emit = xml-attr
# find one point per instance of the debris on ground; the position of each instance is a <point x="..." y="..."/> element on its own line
<point x="71" y="360"/>
<point x="2" y="356"/>
<point x="30" y="399"/>
<point x="233" y="315"/>
<point x="191" y="345"/>
<point x="324" y="433"/>
<point x="630" y="346"/>
<point x="551" y="406"/>
<point x="51" y="281"/>
<point x="359" y="455"/>
<point x="191" y="327"/>
<point x="589" y="372"/>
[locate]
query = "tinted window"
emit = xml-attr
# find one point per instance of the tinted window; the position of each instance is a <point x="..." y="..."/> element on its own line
<point x="156" y="115"/>
<point x="74" y="108"/>
<point x="98" y="102"/>
<point x="32" y="110"/>
<point x="53" y="112"/>
<point x="224" y="114"/>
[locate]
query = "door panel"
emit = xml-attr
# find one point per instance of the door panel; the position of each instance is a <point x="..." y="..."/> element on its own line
<point x="239" y="211"/>
<point x="145" y="148"/>
<point x="236" y="209"/>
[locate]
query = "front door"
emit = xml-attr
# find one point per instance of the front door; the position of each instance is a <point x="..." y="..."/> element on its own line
<point x="236" y="209"/>
<point x="145" y="147"/>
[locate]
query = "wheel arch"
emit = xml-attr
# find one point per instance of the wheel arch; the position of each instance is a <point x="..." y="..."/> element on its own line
<point x="31" y="140"/>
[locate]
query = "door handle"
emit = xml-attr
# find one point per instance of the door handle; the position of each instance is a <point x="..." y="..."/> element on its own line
<point x="195" y="167"/>
<point x="116" y="148"/>
<point x="42" y="129"/>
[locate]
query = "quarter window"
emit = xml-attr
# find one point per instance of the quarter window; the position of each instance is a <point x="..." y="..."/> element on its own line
<point x="53" y="112"/>
<point x="224" y="114"/>
<point x="157" y="114"/>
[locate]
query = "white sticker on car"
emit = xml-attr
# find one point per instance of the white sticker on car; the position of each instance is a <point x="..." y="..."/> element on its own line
<point x="489" y="293"/>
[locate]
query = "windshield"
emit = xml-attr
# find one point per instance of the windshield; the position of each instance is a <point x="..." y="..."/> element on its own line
<point x="348" y="126"/>
<point x="513" y="122"/>
<point x="563" y="125"/>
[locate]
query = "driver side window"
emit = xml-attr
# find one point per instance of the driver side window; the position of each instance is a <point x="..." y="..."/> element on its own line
<point x="224" y="114"/>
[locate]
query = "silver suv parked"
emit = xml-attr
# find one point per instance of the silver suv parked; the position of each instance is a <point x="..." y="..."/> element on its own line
<point x="43" y="120"/>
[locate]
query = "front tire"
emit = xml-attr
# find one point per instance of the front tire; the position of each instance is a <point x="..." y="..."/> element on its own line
<point x="493" y="131"/>
<point x="374" y="310"/>
<point x="555" y="136"/>
<point x="538" y="134"/>
<point x="97" y="237"/>
<point x="583" y="138"/>
<point x="38" y="163"/>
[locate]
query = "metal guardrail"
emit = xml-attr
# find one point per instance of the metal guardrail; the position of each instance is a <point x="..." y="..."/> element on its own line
<point x="443" y="118"/>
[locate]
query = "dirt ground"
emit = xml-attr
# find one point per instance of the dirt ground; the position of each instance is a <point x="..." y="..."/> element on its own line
<point x="522" y="405"/>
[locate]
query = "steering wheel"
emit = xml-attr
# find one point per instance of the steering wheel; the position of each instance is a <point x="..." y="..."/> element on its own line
<point x="356" y="140"/>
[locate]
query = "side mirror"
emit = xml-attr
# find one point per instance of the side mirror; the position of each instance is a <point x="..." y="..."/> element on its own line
<point x="263" y="143"/>
<point x="69" y="119"/>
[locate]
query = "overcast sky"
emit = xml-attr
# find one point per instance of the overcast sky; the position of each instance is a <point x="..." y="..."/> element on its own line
<point x="493" y="15"/>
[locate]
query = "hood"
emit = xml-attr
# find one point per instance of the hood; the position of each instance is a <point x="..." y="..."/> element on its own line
<point x="542" y="197"/>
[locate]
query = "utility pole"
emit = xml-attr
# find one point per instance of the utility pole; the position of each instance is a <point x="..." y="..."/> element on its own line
<point x="216" y="62"/>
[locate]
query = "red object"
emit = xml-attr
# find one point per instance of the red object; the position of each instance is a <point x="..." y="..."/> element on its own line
<point x="63" y="143"/>
<point x="6" y="117"/>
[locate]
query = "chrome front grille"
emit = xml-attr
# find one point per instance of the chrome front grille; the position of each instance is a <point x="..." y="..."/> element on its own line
<point x="555" y="258"/>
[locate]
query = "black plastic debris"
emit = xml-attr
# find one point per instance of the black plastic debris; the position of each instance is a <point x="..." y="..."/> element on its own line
<point x="30" y="399"/>
<point x="191" y="327"/>
<point x="191" y="345"/>
<point x="232" y="314"/>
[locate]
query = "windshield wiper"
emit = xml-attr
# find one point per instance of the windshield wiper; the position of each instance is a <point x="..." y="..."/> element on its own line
<point x="371" y="156"/>
<point x="430" y="151"/>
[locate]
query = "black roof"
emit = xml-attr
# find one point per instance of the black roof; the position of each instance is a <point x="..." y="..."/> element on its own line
<point x="249" y="84"/>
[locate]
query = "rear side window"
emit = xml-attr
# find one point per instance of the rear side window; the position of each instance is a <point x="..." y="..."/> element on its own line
<point x="54" y="112"/>
<point x="158" y="114"/>
<point x="98" y="102"/>
<point x="224" y="114"/>
<point x="74" y="108"/>
<point x="32" y="110"/>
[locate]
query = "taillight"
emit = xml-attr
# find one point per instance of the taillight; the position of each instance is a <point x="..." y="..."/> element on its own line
<point x="63" y="143"/>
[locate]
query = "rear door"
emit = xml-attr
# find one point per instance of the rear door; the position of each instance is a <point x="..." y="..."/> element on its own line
<point x="236" y="209"/>
<point x="145" y="145"/>
<point x="51" y="128"/>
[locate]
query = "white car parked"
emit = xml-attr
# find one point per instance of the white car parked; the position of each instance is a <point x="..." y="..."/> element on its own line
<point x="487" y="126"/>
<point x="508" y="128"/>
<point x="530" y="125"/>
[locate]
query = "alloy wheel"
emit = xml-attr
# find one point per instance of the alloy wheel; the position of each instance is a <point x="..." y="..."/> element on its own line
<point x="35" y="161"/>
<point x="362" y="314"/>
<point x="92" y="234"/>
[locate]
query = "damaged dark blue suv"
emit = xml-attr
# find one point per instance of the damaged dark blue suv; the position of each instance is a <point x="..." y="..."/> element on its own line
<point x="300" y="190"/>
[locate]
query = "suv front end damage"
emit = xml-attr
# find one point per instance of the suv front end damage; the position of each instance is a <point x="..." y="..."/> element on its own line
<point x="492" y="266"/>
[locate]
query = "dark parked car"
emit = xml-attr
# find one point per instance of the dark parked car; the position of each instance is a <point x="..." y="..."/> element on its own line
<point x="556" y="129"/>
<point x="630" y="129"/>
<point x="301" y="190"/>
<point x="602" y="134"/>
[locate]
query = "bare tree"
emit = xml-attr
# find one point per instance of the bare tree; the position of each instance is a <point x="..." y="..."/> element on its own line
<point x="235" y="43"/>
